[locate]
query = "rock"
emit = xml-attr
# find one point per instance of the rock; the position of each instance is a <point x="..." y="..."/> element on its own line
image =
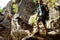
<point x="18" y="35"/>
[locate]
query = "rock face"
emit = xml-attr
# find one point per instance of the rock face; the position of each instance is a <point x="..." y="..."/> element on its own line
<point x="5" y="23"/>
<point x="18" y="29"/>
<point x="25" y="9"/>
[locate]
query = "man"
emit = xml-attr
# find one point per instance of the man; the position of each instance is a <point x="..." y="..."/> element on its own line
<point x="42" y="14"/>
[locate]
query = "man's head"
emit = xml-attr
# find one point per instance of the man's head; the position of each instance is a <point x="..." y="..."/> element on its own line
<point x="40" y="1"/>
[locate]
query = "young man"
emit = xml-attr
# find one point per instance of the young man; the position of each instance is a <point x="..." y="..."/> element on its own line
<point x="43" y="14"/>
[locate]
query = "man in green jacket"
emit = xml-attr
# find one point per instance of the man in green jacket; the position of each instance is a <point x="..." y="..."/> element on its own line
<point x="43" y="13"/>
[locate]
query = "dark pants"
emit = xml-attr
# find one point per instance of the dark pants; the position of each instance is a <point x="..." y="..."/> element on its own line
<point x="43" y="19"/>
